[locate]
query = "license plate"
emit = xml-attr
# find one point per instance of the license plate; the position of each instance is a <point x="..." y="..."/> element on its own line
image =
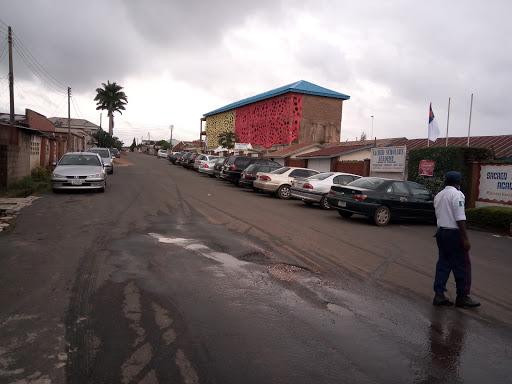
<point x="342" y="204"/>
<point x="76" y="182"/>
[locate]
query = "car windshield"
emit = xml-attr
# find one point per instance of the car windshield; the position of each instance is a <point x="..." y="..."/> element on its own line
<point x="367" y="183"/>
<point x="80" y="160"/>
<point x="321" y="176"/>
<point x="102" y="152"/>
<point x="280" y="171"/>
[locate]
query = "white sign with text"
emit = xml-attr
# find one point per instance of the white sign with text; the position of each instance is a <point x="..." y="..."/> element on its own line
<point x="390" y="159"/>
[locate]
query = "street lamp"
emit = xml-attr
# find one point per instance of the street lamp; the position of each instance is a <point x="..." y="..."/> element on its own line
<point x="172" y="127"/>
<point x="372" y="127"/>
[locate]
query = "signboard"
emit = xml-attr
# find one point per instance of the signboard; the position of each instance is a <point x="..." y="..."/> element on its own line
<point x="495" y="184"/>
<point x="391" y="159"/>
<point x="426" y="168"/>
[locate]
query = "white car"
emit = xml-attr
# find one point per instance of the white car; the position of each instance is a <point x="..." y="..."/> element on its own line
<point x="162" y="153"/>
<point x="200" y="159"/>
<point x="315" y="189"/>
<point x="279" y="181"/>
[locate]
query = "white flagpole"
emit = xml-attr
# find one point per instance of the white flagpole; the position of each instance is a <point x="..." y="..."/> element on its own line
<point x="470" y="112"/>
<point x="447" y="122"/>
<point x="428" y="138"/>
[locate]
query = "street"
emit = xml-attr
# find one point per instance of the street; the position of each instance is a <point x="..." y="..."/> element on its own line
<point x="171" y="276"/>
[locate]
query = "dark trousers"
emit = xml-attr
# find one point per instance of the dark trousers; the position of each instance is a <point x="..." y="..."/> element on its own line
<point x="452" y="257"/>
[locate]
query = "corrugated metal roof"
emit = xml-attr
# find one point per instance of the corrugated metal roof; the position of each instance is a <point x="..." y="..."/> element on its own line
<point x="335" y="151"/>
<point x="290" y="150"/>
<point x="502" y="145"/>
<point x="301" y="86"/>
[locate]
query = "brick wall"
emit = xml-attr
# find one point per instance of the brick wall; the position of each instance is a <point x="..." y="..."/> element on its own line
<point x="361" y="168"/>
<point x="15" y="160"/>
<point x="321" y="120"/>
<point x="38" y="121"/>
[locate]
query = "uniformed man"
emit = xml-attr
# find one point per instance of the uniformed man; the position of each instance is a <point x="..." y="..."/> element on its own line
<point x="453" y="243"/>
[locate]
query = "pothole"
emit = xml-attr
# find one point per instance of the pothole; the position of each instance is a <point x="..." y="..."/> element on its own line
<point x="257" y="258"/>
<point x="287" y="272"/>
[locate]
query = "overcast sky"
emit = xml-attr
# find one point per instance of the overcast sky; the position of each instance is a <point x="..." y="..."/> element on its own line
<point x="180" y="59"/>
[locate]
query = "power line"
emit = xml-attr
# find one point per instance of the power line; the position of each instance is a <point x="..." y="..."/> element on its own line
<point x="3" y="23"/>
<point x="58" y="107"/>
<point x="26" y="93"/>
<point x="74" y="107"/>
<point x="49" y="86"/>
<point x="57" y="82"/>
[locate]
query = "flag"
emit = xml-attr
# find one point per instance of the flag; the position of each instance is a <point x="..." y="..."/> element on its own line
<point x="433" y="128"/>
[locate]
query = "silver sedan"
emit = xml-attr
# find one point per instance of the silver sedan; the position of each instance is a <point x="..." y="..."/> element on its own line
<point x="79" y="170"/>
<point x="314" y="189"/>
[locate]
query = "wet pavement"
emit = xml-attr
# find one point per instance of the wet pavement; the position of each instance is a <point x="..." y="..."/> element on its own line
<point x="169" y="280"/>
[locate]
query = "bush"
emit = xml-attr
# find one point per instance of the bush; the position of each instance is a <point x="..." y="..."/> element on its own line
<point x="39" y="180"/>
<point x="496" y="217"/>
<point x="446" y="159"/>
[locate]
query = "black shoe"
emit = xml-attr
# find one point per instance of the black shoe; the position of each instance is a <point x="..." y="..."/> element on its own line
<point x="463" y="301"/>
<point x="441" y="299"/>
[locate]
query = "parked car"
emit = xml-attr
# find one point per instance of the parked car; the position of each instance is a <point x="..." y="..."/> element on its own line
<point x="219" y="165"/>
<point x="181" y="158"/>
<point x="315" y="189"/>
<point x="162" y="153"/>
<point x="207" y="166"/>
<point x="236" y="164"/>
<point x="249" y="174"/>
<point x="279" y="181"/>
<point x="79" y="170"/>
<point x="115" y="153"/>
<point x="382" y="200"/>
<point x="201" y="159"/>
<point x="188" y="162"/>
<point x="105" y="156"/>
<point x="173" y="156"/>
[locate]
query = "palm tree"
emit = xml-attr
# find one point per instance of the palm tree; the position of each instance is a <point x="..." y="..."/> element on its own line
<point x="111" y="98"/>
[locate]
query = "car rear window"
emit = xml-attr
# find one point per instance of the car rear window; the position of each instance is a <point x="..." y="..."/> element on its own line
<point x="367" y="182"/>
<point x="321" y="176"/>
<point x="242" y="162"/>
<point x="80" y="160"/>
<point x="104" y="153"/>
<point x="280" y="170"/>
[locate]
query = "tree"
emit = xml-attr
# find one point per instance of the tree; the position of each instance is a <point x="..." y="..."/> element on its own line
<point x="163" y="144"/>
<point x="227" y="139"/>
<point x="112" y="99"/>
<point x="363" y="136"/>
<point x="105" y="140"/>
<point x="134" y="144"/>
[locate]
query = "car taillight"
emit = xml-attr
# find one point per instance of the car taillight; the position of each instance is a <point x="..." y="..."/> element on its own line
<point x="359" y="197"/>
<point x="233" y="168"/>
<point x="206" y="166"/>
<point x="247" y="175"/>
<point x="264" y="177"/>
<point x="331" y="192"/>
<point x="307" y="185"/>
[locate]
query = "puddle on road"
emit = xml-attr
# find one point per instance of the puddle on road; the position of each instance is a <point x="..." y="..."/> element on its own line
<point x="201" y="249"/>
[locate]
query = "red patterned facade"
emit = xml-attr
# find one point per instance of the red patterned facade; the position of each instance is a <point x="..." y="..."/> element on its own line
<point x="269" y="122"/>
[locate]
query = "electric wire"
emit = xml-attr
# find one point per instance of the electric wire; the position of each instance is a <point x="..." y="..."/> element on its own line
<point x="49" y="75"/>
<point x="74" y="107"/>
<point x="16" y="84"/>
<point x="78" y="106"/>
<point x="49" y="86"/>
<point x="59" y="107"/>
<point x="1" y="21"/>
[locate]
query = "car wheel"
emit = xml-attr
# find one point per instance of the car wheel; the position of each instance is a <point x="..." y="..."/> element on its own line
<point x="284" y="192"/>
<point x="211" y="176"/>
<point x="345" y="214"/>
<point x="323" y="203"/>
<point x="382" y="216"/>
<point x="255" y="189"/>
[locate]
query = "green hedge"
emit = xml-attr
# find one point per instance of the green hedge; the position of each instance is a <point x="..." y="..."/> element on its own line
<point x="496" y="217"/>
<point x="446" y="159"/>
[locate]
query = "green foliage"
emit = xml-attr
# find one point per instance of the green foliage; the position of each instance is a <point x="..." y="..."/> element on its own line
<point x="228" y="139"/>
<point x="496" y="217"/>
<point x="134" y="144"/>
<point x="111" y="98"/>
<point x="363" y="136"/>
<point x="163" y="144"/>
<point x="39" y="180"/>
<point x="446" y="159"/>
<point x="105" y="140"/>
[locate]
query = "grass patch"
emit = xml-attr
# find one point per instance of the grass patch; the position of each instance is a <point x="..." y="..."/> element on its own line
<point x="38" y="181"/>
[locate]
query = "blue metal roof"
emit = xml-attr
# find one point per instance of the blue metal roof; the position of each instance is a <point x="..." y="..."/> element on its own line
<point x="301" y="86"/>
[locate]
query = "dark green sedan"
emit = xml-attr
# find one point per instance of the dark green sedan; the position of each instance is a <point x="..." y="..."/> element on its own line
<point x="382" y="200"/>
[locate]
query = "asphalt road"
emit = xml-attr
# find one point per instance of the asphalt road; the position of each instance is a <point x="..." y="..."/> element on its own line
<point x="173" y="277"/>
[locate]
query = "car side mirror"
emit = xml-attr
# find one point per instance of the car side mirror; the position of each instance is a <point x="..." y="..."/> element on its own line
<point x="54" y="164"/>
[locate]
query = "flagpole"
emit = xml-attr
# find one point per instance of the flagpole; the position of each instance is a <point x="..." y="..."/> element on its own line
<point x="447" y="122"/>
<point x="428" y="138"/>
<point x="470" y="112"/>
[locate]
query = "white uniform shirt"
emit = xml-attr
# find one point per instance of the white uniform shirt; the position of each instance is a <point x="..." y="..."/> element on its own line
<point x="449" y="206"/>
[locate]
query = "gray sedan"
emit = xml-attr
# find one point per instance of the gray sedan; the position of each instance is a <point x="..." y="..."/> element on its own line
<point x="79" y="170"/>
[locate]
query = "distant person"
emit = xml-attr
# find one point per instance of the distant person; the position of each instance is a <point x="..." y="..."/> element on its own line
<point x="453" y="243"/>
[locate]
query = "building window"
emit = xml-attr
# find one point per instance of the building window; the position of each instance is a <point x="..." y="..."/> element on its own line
<point x="34" y="147"/>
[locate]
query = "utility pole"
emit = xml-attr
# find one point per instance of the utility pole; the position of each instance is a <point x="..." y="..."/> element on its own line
<point x="172" y="126"/>
<point x="69" y="119"/>
<point x="11" y="79"/>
